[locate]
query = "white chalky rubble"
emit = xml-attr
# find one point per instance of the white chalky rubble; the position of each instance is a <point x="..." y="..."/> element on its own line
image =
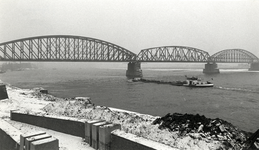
<point x="24" y="100"/>
<point x="21" y="99"/>
<point x="135" y="123"/>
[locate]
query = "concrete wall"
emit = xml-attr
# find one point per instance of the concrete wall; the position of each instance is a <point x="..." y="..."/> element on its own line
<point x="110" y="137"/>
<point x="119" y="143"/>
<point x="3" y="92"/>
<point x="9" y="136"/>
<point x="68" y="126"/>
<point x="7" y="142"/>
<point x="127" y="141"/>
<point x="13" y="139"/>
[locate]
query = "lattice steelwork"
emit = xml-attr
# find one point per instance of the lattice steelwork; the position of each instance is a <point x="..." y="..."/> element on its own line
<point x="234" y="56"/>
<point x="173" y="54"/>
<point x="63" y="48"/>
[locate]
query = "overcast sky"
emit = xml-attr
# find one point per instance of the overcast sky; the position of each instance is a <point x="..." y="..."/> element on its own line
<point x="138" y="24"/>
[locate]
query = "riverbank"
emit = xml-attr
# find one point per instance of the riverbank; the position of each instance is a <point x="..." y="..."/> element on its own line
<point x="142" y="125"/>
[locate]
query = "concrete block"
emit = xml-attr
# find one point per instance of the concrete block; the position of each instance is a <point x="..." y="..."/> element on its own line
<point x="105" y="135"/>
<point x="35" y="138"/>
<point x="45" y="144"/>
<point x="3" y="92"/>
<point x="11" y="113"/>
<point x="9" y="136"/>
<point x="88" y="130"/>
<point x="95" y="134"/>
<point x="44" y="91"/>
<point x="24" y="136"/>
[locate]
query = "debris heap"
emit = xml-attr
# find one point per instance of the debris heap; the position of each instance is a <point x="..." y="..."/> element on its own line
<point x="217" y="129"/>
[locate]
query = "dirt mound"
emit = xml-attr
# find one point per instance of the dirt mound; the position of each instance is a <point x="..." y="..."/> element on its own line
<point x="217" y="129"/>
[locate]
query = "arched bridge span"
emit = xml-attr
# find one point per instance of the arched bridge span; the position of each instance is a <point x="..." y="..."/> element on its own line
<point x="63" y="48"/>
<point x="173" y="54"/>
<point x="78" y="48"/>
<point x="234" y="56"/>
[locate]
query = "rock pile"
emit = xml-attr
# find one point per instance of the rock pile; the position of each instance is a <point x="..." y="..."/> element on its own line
<point x="216" y="129"/>
<point x="42" y="95"/>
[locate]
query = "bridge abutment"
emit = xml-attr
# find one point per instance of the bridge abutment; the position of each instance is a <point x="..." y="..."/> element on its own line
<point x="254" y="66"/>
<point x="134" y="70"/>
<point x="211" y="68"/>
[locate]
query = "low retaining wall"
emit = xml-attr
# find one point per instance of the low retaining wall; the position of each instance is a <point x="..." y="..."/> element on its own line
<point x="119" y="143"/>
<point x="61" y="124"/>
<point x="9" y="136"/>
<point x="98" y="133"/>
<point x="126" y="141"/>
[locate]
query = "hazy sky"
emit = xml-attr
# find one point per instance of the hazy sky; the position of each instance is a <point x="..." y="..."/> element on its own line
<point x="138" y="24"/>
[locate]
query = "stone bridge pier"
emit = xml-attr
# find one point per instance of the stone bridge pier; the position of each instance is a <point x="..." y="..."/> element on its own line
<point x="254" y="66"/>
<point x="211" y="68"/>
<point x="134" y="70"/>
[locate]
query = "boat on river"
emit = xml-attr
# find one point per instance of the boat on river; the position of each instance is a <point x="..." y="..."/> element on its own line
<point x="196" y="82"/>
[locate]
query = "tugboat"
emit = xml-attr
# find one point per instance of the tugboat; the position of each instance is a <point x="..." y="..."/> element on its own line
<point x="196" y="82"/>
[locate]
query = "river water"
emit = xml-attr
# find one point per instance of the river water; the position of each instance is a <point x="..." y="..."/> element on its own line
<point x="234" y="98"/>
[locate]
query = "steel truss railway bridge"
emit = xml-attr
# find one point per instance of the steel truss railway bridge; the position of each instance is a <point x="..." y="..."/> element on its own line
<point x="86" y="49"/>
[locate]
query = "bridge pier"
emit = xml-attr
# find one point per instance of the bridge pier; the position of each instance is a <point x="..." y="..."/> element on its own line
<point x="254" y="66"/>
<point x="134" y="70"/>
<point x="211" y="68"/>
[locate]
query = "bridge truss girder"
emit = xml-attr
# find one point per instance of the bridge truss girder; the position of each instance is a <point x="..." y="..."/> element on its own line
<point x="63" y="48"/>
<point x="234" y="56"/>
<point x="173" y="54"/>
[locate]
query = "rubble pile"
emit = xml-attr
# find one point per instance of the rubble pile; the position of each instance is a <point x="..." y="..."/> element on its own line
<point x="69" y="107"/>
<point x="41" y="93"/>
<point x="216" y="129"/>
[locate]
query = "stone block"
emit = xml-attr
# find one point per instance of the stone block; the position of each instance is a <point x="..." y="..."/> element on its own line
<point x="35" y="138"/>
<point x="95" y="134"/>
<point x="9" y="136"/>
<point x="88" y="130"/>
<point x="44" y="91"/>
<point x="105" y="135"/>
<point x="45" y="144"/>
<point x="3" y="92"/>
<point x="24" y="136"/>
